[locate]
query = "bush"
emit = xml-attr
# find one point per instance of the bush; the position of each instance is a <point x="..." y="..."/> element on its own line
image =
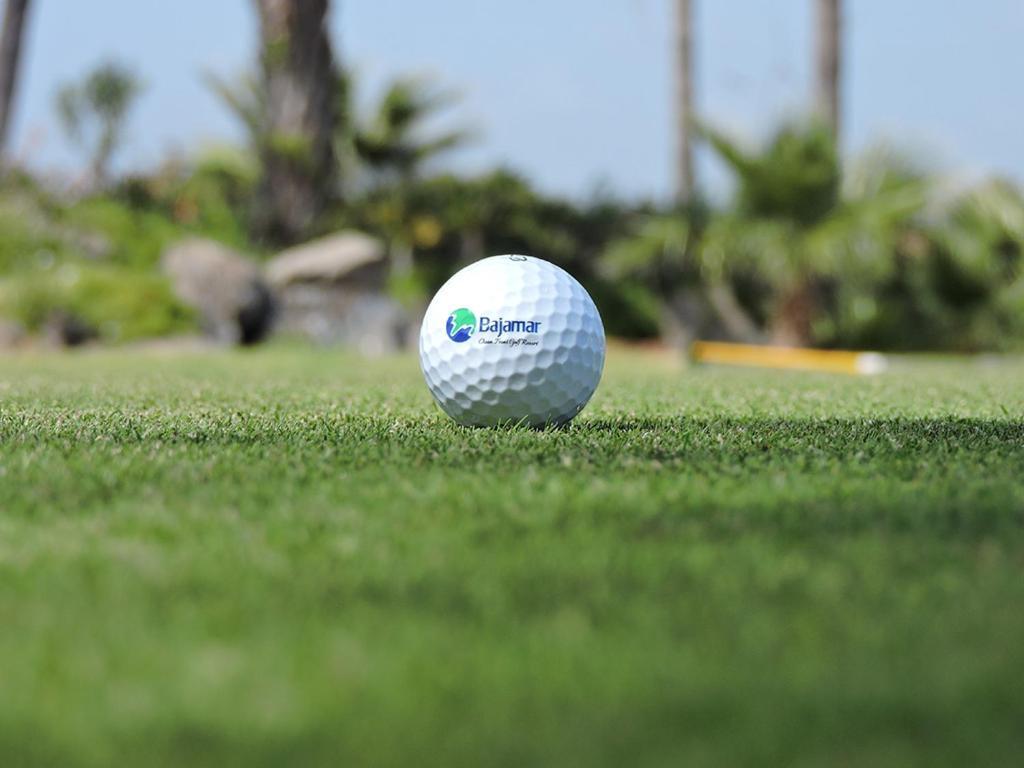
<point x="138" y="237"/>
<point x="212" y="198"/>
<point x="28" y="239"/>
<point x="121" y="304"/>
<point x="449" y="221"/>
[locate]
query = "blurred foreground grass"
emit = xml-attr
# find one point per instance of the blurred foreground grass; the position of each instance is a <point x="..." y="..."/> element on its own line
<point x="290" y="557"/>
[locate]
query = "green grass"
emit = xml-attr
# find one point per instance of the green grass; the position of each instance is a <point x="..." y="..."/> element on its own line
<point x="291" y="558"/>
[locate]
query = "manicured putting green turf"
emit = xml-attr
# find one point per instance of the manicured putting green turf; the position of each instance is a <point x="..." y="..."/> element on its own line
<point x="291" y="558"/>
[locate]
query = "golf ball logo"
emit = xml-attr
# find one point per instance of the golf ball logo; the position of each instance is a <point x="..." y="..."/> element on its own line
<point x="461" y="325"/>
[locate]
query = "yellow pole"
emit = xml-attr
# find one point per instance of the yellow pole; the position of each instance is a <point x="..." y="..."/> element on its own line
<point x="829" y="360"/>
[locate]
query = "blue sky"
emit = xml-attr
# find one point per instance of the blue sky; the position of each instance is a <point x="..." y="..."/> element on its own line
<point x="574" y="93"/>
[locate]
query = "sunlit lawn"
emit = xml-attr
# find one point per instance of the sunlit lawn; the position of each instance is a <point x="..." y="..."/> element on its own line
<point x="290" y="557"/>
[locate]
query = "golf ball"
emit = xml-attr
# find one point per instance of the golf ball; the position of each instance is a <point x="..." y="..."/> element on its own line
<point x="512" y="340"/>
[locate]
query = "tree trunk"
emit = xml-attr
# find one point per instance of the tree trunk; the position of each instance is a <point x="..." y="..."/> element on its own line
<point x="685" y="177"/>
<point x="793" y="322"/>
<point x="471" y="245"/>
<point x="99" y="165"/>
<point x="10" y="58"/>
<point x="299" y="81"/>
<point x="736" y="323"/>
<point x="828" y="67"/>
<point x="683" y="316"/>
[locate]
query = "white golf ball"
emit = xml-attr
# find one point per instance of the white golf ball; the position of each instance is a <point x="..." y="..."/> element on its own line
<point x="512" y="340"/>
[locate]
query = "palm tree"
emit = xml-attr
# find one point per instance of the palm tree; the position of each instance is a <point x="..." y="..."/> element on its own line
<point x="384" y="149"/>
<point x="393" y="141"/>
<point x="245" y="99"/>
<point x="685" y="177"/>
<point x="828" y="64"/>
<point x="394" y="146"/>
<point x="691" y="283"/>
<point x="10" y="58"/>
<point x="806" y="240"/>
<point x="790" y="258"/>
<point x="298" y="84"/>
<point x="93" y="114"/>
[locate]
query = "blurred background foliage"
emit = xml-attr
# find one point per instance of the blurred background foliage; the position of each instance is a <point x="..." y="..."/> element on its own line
<point x="809" y="248"/>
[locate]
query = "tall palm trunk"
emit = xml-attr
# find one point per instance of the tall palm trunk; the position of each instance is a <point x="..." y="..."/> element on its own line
<point x="685" y="177"/>
<point x="299" y="81"/>
<point x="828" y="64"/>
<point x="793" y="322"/>
<point x="10" y="59"/>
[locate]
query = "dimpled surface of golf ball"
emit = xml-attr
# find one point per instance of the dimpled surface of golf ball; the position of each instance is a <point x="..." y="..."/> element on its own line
<point x="512" y="340"/>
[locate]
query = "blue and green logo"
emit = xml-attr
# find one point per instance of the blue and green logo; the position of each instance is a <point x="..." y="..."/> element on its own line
<point x="461" y="325"/>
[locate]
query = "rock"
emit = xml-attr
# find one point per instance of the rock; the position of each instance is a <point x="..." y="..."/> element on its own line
<point x="226" y="288"/>
<point x="64" y="329"/>
<point x="369" y="321"/>
<point x="349" y="258"/>
<point x="333" y="292"/>
<point x="12" y="334"/>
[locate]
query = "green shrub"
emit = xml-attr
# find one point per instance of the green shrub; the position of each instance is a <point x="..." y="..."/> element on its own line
<point x="212" y="198"/>
<point x="28" y="239"/>
<point x="121" y="304"/>
<point x="138" y="237"/>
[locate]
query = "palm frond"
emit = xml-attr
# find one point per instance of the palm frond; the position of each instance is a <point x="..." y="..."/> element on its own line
<point x="658" y="241"/>
<point x="245" y="99"/>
